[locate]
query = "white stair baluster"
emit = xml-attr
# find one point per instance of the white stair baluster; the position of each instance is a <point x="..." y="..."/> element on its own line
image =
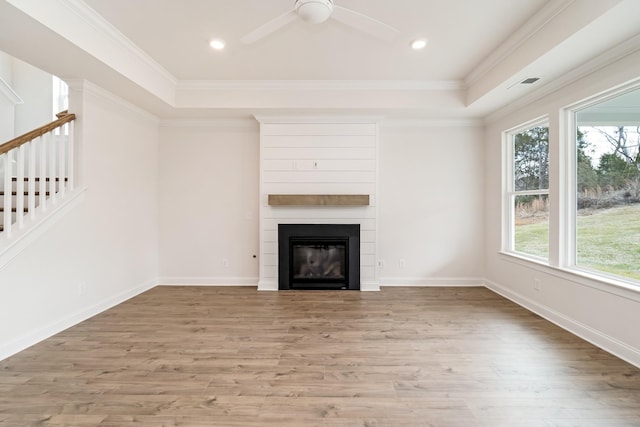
<point x="62" y="153"/>
<point x="51" y="154"/>
<point x="42" y="173"/>
<point x="70" y="158"/>
<point x="20" y="186"/>
<point x="8" y="187"/>
<point x="31" y="182"/>
<point x="35" y="175"/>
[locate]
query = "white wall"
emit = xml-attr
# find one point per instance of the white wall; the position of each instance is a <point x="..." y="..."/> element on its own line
<point x="602" y="313"/>
<point x="209" y="203"/>
<point x="7" y="106"/>
<point x="431" y="204"/>
<point x="430" y="190"/>
<point x="105" y="249"/>
<point x="35" y="87"/>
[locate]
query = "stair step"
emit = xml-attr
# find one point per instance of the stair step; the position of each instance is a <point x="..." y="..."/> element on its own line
<point x="14" y="179"/>
<point x="14" y="209"/>
<point x="26" y="193"/>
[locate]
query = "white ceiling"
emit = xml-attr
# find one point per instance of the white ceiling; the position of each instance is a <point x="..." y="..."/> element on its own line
<point x="176" y="34"/>
<point x="155" y="53"/>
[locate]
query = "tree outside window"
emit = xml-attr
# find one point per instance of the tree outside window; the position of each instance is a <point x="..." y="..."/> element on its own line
<point x="607" y="220"/>
<point x="529" y="192"/>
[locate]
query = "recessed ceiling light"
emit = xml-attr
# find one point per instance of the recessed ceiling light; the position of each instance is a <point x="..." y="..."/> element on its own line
<point x="419" y="44"/>
<point x="217" y="44"/>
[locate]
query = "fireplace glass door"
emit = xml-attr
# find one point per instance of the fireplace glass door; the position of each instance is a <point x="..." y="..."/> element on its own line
<point x="318" y="262"/>
<point x="319" y="256"/>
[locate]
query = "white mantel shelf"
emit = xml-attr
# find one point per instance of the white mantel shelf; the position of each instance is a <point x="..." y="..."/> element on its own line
<point x="318" y="200"/>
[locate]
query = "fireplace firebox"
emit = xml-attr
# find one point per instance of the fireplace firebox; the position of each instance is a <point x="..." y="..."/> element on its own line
<point x="319" y="256"/>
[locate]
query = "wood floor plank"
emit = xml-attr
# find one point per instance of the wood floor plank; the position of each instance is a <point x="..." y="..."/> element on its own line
<point x="232" y="356"/>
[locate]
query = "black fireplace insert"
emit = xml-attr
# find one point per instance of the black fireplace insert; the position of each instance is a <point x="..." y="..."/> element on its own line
<point x="319" y="256"/>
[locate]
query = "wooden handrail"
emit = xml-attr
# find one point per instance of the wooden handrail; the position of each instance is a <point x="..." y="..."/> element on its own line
<point x="23" y="139"/>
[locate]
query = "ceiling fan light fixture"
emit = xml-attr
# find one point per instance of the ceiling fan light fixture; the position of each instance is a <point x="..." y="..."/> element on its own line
<point x="314" y="11"/>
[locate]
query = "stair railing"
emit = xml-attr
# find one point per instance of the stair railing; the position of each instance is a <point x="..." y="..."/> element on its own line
<point x="37" y="172"/>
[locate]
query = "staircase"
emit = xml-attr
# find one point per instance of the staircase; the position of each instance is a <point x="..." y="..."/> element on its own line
<point x="46" y="195"/>
<point x="36" y="173"/>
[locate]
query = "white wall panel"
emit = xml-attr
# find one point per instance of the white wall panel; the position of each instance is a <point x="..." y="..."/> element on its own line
<point x="319" y="153"/>
<point x="320" y="176"/>
<point x="327" y="165"/>
<point x="295" y="127"/>
<point x="430" y="203"/>
<point x="209" y="202"/>
<point x="318" y="212"/>
<point x="317" y="158"/>
<point x="306" y="141"/>
<point x="323" y="188"/>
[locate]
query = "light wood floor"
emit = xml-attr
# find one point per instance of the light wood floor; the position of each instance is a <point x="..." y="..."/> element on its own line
<point x="197" y="356"/>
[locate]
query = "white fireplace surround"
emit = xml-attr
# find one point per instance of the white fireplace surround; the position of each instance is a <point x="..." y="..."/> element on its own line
<point x="318" y="156"/>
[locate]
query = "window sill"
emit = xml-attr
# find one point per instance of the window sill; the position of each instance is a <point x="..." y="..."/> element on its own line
<point x="606" y="284"/>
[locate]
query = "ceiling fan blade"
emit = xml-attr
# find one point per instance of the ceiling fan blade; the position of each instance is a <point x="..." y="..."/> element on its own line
<point x="364" y="23"/>
<point x="269" y="27"/>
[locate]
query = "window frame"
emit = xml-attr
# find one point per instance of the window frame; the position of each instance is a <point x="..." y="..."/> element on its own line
<point x="509" y="191"/>
<point x="569" y="193"/>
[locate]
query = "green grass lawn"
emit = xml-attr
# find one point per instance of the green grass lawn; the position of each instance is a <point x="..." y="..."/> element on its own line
<point x="608" y="240"/>
<point x="533" y="239"/>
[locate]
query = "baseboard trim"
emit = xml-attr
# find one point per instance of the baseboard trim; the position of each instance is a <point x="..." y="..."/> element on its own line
<point x="595" y="337"/>
<point x="68" y="321"/>
<point x="433" y="281"/>
<point x="207" y="281"/>
<point x="267" y="285"/>
<point x="367" y="286"/>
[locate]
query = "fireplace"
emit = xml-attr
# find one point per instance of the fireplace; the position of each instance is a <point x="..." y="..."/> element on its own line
<point x="319" y="256"/>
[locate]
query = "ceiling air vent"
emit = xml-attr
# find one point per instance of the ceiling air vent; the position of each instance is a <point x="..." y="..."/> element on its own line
<point x="530" y="80"/>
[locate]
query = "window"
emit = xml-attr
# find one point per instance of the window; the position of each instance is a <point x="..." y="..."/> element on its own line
<point x="528" y="190"/>
<point x="60" y="96"/>
<point x="607" y="190"/>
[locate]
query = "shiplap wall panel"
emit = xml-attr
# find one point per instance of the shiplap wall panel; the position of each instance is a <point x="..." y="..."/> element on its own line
<point x="317" y="158"/>
<point x="320" y="176"/>
<point x="320" y="153"/>
<point x="302" y="141"/>
<point x="350" y="213"/>
<point x="303" y="187"/>
<point x="281" y="165"/>
<point x="318" y="129"/>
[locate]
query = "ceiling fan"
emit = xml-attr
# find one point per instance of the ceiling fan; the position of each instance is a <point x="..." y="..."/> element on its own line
<point x="318" y="11"/>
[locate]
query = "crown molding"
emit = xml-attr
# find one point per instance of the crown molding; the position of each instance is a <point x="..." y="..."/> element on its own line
<point x="533" y="26"/>
<point x="83" y="27"/>
<point x="104" y="27"/>
<point x="9" y="94"/>
<point x="603" y="60"/>
<point x="426" y="122"/>
<point x="322" y="85"/>
<point x="89" y="88"/>
<point x="216" y="123"/>
<point x="319" y="118"/>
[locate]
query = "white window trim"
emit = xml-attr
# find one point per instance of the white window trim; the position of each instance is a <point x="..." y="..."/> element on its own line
<point x="508" y="191"/>
<point x="568" y="205"/>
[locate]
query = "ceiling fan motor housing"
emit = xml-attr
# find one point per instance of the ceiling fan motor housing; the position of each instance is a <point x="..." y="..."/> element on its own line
<point x="314" y="11"/>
